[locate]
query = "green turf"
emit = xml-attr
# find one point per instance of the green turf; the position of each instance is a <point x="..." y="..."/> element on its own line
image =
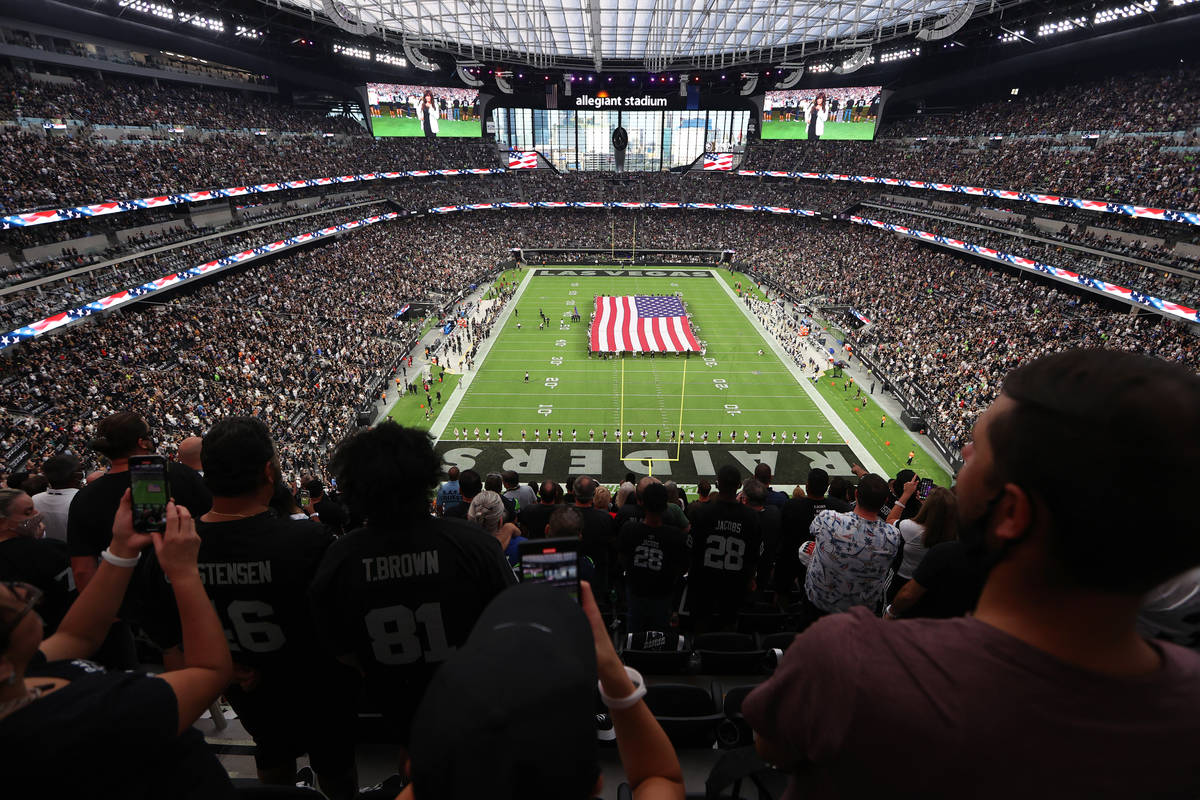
<point x="411" y="126"/>
<point x="512" y="276"/>
<point x="779" y="129"/>
<point x="585" y="392"/>
<point x="891" y="443"/>
<point x="408" y="409"/>
<point x="748" y="285"/>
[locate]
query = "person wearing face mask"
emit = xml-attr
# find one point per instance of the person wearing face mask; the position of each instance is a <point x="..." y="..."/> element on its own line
<point x="1048" y="685"/>
<point x="27" y="556"/>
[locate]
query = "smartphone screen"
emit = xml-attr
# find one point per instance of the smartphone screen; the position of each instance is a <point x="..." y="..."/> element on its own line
<point x="150" y="492"/>
<point x="552" y="561"/>
<point x="304" y="498"/>
<point x="923" y="487"/>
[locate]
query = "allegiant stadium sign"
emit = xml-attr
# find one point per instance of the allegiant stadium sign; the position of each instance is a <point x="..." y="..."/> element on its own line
<point x="645" y="101"/>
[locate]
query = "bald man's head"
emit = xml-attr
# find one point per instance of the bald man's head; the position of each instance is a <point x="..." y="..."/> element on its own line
<point x="189" y="452"/>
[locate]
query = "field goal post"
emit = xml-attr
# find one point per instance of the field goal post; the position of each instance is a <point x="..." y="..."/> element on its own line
<point x="678" y="429"/>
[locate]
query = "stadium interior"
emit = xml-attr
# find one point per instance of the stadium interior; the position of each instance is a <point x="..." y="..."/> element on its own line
<point x="412" y="304"/>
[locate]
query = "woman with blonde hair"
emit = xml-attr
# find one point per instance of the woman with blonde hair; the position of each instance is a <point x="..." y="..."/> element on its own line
<point x="487" y="511"/>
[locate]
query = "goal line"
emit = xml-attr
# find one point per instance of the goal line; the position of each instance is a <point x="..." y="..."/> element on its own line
<point x="678" y="429"/>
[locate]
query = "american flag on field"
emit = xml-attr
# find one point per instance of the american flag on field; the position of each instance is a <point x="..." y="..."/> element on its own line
<point x="641" y="324"/>
<point x="519" y="160"/>
<point x="721" y="162"/>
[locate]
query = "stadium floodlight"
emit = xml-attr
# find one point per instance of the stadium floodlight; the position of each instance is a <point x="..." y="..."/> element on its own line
<point x="1124" y="12"/>
<point x="417" y="58"/>
<point x="749" y="86"/>
<point x="464" y="73"/>
<point x="204" y="23"/>
<point x="351" y="51"/>
<point x="502" y="82"/>
<point x="247" y="33"/>
<point x="153" y="9"/>
<point x="855" y="62"/>
<point x="824" y="66"/>
<point x="1011" y="37"/>
<point x="390" y="58"/>
<point x="948" y="25"/>
<point x="1061" y="26"/>
<point x="898" y="55"/>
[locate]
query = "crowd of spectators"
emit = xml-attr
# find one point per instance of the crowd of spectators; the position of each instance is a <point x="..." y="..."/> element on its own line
<point x="1151" y="171"/>
<point x="36" y="302"/>
<point x="105" y="99"/>
<point x="944" y="329"/>
<point x="1165" y="285"/>
<point x="54" y="171"/>
<point x="1151" y="240"/>
<point x="1160" y="100"/>
<point x="301" y="341"/>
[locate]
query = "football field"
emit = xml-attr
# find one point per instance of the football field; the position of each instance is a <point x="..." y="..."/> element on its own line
<point x="739" y="388"/>
<point x="781" y="129"/>
<point x="411" y="126"/>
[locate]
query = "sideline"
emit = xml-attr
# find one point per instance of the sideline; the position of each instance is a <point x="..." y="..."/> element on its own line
<point x="485" y="347"/>
<point x="867" y="459"/>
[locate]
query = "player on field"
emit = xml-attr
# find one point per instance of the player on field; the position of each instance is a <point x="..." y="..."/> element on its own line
<point x="396" y="597"/>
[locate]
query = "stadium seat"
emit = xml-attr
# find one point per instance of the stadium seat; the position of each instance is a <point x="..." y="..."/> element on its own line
<point x="761" y="621"/>
<point x="730" y="654"/>
<point x="253" y="790"/>
<point x="737" y="768"/>
<point x="689" y="714"/>
<point x="735" y="731"/>
<point x="778" y="641"/>
<point x="656" y="653"/>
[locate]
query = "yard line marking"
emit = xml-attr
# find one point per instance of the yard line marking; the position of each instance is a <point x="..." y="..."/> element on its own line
<point x="847" y="435"/>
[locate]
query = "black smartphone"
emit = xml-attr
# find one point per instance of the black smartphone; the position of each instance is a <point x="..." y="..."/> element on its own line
<point x="552" y="561"/>
<point x="150" y="489"/>
<point x="304" y="498"/>
<point x="923" y="488"/>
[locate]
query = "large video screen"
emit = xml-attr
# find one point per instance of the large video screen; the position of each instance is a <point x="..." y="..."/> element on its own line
<point x="848" y="112"/>
<point x="658" y="140"/>
<point x="397" y="110"/>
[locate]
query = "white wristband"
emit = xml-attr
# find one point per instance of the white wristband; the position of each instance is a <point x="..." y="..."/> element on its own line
<point x="117" y="561"/>
<point x="619" y="703"/>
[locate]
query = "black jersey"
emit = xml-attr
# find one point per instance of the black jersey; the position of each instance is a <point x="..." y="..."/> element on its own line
<point x="90" y="519"/>
<point x="403" y="599"/>
<point x="68" y="743"/>
<point x="725" y="544"/>
<point x="44" y="564"/>
<point x="653" y="557"/>
<point x="257" y="572"/>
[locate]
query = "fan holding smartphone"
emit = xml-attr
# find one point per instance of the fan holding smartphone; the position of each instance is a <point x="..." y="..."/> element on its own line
<point x="552" y="561"/>
<point x="151" y="489"/>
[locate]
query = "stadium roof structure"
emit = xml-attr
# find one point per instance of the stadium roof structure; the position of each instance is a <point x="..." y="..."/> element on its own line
<point x="655" y="35"/>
